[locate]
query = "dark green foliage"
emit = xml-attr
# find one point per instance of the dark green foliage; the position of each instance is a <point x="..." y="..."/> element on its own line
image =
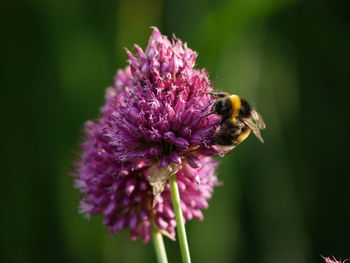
<point x="283" y="201"/>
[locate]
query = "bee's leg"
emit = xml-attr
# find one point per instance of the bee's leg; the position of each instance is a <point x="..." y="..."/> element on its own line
<point x="209" y="105"/>
<point x="211" y="110"/>
<point x="229" y="125"/>
<point x="206" y="115"/>
<point x="224" y="139"/>
<point x="223" y="121"/>
<point x="232" y="128"/>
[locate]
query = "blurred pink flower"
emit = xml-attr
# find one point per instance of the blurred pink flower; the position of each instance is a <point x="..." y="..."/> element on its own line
<point x="333" y="260"/>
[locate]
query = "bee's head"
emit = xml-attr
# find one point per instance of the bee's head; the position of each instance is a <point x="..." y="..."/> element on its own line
<point x="223" y="106"/>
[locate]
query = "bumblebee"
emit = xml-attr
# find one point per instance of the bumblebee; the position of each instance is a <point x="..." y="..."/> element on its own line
<point x="238" y="120"/>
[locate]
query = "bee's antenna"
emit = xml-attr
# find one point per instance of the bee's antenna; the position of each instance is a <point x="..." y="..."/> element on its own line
<point x="210" y="104"/>
<point x="206" y="115"/>
<point x="218" y="94"/>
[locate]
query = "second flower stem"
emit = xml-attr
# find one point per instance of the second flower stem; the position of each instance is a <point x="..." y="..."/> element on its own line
<point x="180" y="225"/>
<point x="159" y="246"/>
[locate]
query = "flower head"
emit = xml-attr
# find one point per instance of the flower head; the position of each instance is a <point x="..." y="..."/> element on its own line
<point x="159" y="115"/>
<point x="333" y="260"/>
<point x="151" y="127"/>
<point x="122" y="194"/>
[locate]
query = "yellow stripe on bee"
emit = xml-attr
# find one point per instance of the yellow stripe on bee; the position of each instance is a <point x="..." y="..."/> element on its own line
<point x="245" y="133"/>
<point x="236" y="106"/>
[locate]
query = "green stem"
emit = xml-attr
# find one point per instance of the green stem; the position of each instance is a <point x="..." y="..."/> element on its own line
<point x="159" y="246"/>
<point x="180" y="225"/>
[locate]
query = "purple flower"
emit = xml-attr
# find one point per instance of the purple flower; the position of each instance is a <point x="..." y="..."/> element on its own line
<point x="151" y="127"/>
<point x="122" y="194"/>
<point x="159" y="115"/>
<point x="333" y="260"/>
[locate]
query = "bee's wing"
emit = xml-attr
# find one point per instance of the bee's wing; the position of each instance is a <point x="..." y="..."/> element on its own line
<point x="255" y="123"/>
<point x="258" y="120"/>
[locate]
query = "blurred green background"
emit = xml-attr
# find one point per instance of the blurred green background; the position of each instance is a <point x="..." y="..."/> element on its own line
<point x="283" y="201"/>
